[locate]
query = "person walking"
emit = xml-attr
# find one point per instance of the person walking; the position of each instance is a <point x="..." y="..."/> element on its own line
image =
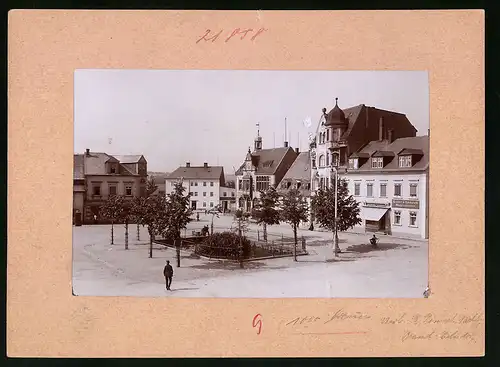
<point x="168" y="272"/>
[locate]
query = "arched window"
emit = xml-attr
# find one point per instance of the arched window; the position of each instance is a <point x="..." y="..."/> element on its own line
<point x="328" y="135"/>
<point x="335" y="160"/>
<point x="321" y="160"/>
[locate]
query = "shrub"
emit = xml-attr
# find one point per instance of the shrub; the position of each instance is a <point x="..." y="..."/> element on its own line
<point x="224" y="245"/>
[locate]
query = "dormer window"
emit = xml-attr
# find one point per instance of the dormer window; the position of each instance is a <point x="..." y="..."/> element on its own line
<point x="353" y="163"/>
<point x="377" y="162"/>
<point x="405" y="161"/>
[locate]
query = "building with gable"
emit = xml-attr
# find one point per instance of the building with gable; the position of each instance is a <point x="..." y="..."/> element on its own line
<point x="96" y="176"/>
<point x="390" y="180"/>
<point x="262" y="169"/>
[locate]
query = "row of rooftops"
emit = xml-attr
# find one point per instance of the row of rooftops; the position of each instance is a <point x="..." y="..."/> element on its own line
<point x="95" y="164"/>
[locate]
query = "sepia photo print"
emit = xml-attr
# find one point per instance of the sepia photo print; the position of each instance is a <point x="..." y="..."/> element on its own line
<point x="251" y="184"/>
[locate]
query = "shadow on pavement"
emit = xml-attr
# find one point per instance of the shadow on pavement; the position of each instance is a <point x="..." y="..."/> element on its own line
<point x="318" y="243"/>
<point x="235" y="266"/>
<point x="363" y="248"/>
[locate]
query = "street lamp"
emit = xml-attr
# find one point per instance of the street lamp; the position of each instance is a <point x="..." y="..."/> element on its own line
<point x="336" y="237"/>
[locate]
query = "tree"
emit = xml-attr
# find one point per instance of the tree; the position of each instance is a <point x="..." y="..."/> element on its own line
<point x="154" y="217"/>
<point x="127" y="216"/>
<point x="214" y="212"/>
<point x="112" y="209"/>
<point x="266" y="211"/>
<point x="151" y="212"/>
<point x="294" y="210"/>
<point x="178" y="215"/>
<point x="323" y="207"/>
<point x="139" y="204"/>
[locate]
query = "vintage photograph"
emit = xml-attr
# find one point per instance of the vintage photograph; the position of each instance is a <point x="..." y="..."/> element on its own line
<point x="251" y="184"/>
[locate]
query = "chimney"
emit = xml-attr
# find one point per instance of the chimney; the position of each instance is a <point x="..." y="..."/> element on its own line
<point x="286" y="144"/>
<point x="390" y="135"/>
<point x="87" y="152"/>
<point x="205" y="165"/>
<point x="297" y="150"/>
<point x="381" y="129"/>
<point x="188" y="164"/>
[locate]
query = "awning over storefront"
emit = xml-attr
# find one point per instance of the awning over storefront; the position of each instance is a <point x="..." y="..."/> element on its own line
<point x="373" y="213"/>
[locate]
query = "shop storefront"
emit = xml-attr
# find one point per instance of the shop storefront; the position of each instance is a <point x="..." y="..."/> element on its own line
<point x="376" y="216"/>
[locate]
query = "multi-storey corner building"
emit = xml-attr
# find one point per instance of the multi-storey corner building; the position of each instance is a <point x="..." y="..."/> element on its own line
<point x="390" y="180"/>
<point x="343" y="132"/>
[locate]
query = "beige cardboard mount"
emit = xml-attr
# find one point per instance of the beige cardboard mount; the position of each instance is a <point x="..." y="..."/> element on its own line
<point x="44" y="49"/>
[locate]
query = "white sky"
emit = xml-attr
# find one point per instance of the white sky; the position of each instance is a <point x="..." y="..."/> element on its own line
<point x="176" y="116"/>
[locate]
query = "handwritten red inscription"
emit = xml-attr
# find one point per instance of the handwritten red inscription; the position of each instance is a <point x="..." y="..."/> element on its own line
<point x="257" y="322"/>
<point x="236" y="32"/>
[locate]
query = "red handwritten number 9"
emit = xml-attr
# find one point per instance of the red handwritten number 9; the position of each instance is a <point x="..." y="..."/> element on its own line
<point x="257" y="322"/>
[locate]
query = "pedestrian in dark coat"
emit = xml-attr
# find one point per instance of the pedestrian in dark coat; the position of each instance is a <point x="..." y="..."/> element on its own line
<point x="168" y="272"/>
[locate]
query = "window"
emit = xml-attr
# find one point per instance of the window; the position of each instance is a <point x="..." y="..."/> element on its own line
<point x="335" y="135"/>
<point x="96" y="190"/>
<point x="224" y="194"/>
<point x="196" y="183"/>
<point x="211" y="183"/>
<point x="378" y="162"/>
<point x="128" y="190"/>
<point x="211" y="193"/>
<point x="335" y="160"/>
<point x="357" y="190"/>
<point x="288" y="184"/>
<point x="192" y="183"/>
<point x="204" y="184"/>
<point x="327" y="159"/>
<point x="413" y="190"/>
<point x="397" y="217"/>
<point x="321" y="183"/>
<point x="112" y="169"/>
<point x="262" y="183"/>
<point x="308" y="186"/>
<point x="321" y="160"/>
<point x="299" y="185"/>
<point x="314" y="163"/>
<point x="351" y="163"/>
<point x="204" y="194"/>
<point x="211" y="204"/>
<point x="195" y="193"/>
<point x="369" y="189"/>
<point x="405" y="161"/>
<point x="328" y="135"/>
<point x="204" y="204"/>
<point x="397" y="189"/>
<point x="112" y="190"/>
<point x="240" y="184"/>
<point x="383" y="190"/>
<point x="245" y="184"/>
<point x="413" y="219"/>
<point x="232" y="194"/>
